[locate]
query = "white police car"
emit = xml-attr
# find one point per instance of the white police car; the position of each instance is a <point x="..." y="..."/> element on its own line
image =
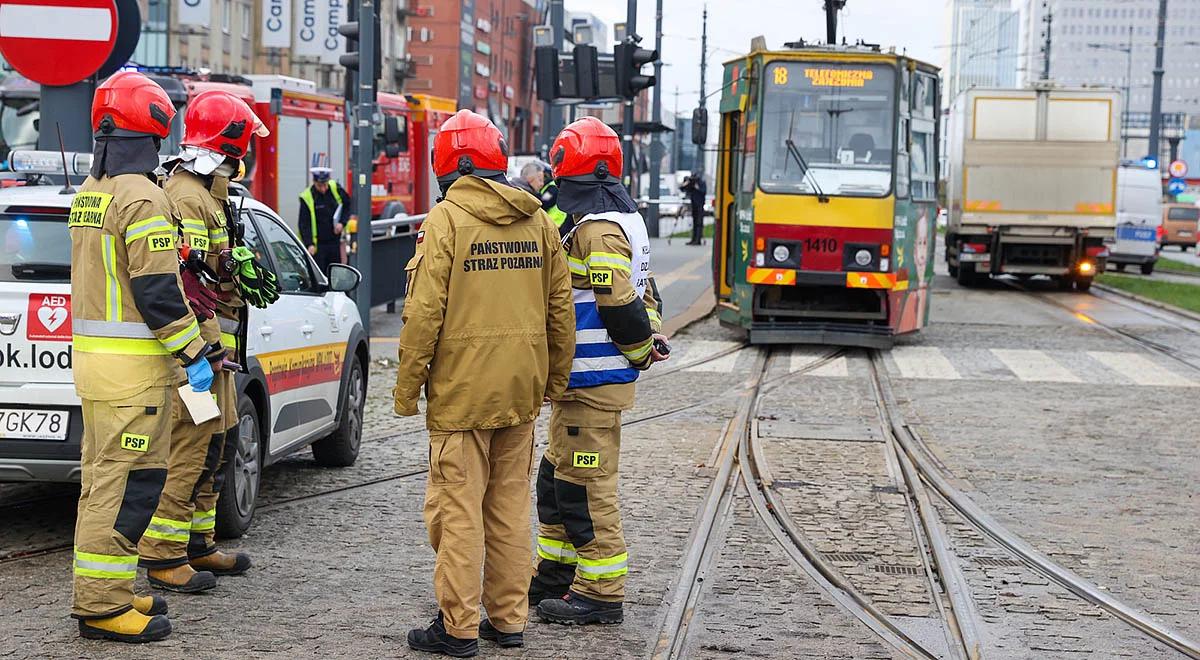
<point x="307" y="355"/>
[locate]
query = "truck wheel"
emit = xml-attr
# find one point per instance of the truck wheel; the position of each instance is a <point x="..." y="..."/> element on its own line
<point x="953" y="270"/>
<point x="235" y="508"/>
<point x="1120" y="268"/>
<point x="966" y="275"/>
<point x="1082" y="284"/>
<point x="340" y="448"/>
<point x="1148" y="268"/>
<point x="1064" y="283"/>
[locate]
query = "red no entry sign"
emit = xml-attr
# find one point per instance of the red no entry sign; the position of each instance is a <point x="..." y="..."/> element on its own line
<point x="57" y="42"/>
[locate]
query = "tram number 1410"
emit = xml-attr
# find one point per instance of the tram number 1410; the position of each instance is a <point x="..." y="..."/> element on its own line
<point x="829" y="245"/>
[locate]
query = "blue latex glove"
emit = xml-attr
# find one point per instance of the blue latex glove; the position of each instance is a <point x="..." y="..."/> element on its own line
<point x="200" y="375"/>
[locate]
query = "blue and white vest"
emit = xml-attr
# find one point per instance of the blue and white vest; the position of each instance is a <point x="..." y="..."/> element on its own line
<point x="598" y="361"/>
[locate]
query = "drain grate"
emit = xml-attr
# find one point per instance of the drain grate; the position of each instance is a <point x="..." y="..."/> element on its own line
<point x="846" y="556"/>
<point x="1001" y="562"/>
<point x="892" y="569"/>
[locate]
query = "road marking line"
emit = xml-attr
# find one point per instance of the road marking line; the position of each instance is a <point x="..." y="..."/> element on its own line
<point x="1034" y="366"/>
<point x="923" y="362"/>
<point x="1139" y="369"/>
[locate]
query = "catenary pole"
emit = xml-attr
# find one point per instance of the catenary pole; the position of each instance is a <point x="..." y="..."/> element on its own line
<point x="656" y="145"/>
<point x="1154" y="147"/>
<point x="365" y="130"/>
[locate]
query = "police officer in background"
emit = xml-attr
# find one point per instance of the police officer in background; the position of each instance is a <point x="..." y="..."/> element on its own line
<point x="324" y="207"/>
<point x="696" y="189"/>
<point x="177" y="548"/>
<point x="132" y="329"/>
<point x="487" y="356"/>
<point x="580" y="575"/>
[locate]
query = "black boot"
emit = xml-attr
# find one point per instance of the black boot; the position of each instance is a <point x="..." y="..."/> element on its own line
<point x="435" y="639"/>
<point x="574" y="609"/>
<point x="507" y="640"/>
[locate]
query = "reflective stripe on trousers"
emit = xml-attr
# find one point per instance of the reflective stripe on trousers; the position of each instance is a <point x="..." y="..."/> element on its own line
<point x="108" y="567"/>
<point x="603" y="569"/>
<point x="203" y="521"/>
<point x="168" y="530"/>
<point x="560" y="551"/>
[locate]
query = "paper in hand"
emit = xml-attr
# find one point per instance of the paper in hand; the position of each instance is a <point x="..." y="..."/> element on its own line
<point x="201" y="406"/>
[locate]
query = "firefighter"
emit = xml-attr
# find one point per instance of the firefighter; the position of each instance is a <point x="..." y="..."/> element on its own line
<point x="322" y="207"/>
<point x="580" y="574"/>
<point x="177" y="548"/>
<point x="487" y="356"/>
<point x="132" y="330"/>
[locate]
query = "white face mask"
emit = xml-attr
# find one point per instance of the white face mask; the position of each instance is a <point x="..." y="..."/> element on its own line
<point x="203" y="162"/>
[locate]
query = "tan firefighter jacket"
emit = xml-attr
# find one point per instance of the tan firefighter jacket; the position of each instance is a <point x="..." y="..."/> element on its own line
<point x="489" y="327"/>
<point x="201" y="209"/>
<point x="132" y="325"/>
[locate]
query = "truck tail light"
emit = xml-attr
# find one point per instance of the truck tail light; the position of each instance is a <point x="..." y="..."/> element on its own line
<point x="975" y="248"/>
<point x="885" y="250"/>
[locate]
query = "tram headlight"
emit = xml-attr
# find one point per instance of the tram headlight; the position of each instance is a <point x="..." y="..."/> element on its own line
<point x="863" y="258"/>
<point x="781" y="253"/>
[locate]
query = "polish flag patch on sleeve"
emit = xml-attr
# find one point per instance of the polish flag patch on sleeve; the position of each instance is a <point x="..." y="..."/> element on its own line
<point x="420" y="236"/>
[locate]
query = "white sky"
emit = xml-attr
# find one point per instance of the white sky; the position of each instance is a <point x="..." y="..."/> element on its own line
<point x="915" y="25"/>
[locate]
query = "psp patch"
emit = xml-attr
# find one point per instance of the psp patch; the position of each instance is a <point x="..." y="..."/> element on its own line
<point x="602" y="278"/>
<point x="585" y="459"/>
<point x="134" y="442"/>
<point x="161" y="242"/>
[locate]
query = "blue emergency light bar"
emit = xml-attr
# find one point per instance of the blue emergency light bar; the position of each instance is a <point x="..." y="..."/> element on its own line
<point x="49" y="162"/>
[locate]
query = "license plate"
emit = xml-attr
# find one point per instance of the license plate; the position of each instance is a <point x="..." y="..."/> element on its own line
<point x="1135" y="233"/>
<point x="30" y="424"/>
<point x="1184" y="232"/>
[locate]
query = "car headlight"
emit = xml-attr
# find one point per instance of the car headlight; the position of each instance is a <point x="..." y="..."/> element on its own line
<point x="781" y="253"/>
<point x="863" y="258"/>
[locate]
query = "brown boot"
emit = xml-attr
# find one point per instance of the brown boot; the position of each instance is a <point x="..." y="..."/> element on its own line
<point x="223" y="563"/>
<point x="183" y="579"/>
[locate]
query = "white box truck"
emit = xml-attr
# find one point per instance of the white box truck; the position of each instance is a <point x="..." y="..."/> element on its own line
<point x="1032" y="183"/>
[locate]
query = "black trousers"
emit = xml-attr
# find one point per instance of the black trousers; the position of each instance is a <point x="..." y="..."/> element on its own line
<point x="697" y="221"/>
<point x="328" y="253"/>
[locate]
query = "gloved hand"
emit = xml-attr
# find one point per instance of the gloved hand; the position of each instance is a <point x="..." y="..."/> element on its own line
<point x="256" y="284"/>
<point x="202" y="299"/>
<point x="200" y="375"/>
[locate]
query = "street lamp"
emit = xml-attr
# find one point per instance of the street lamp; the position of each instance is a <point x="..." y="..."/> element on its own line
<point x="1128" y="50"/>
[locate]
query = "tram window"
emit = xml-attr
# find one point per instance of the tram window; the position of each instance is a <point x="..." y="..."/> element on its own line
<point x="924" y="185"/>
<point x="827" y="127"/>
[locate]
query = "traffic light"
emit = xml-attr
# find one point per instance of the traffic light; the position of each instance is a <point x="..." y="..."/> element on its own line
<point x="350" y="60"/>
<point x="629" y="62"/>
<point x="545" y="67"/>
<point x="587" y="72"/>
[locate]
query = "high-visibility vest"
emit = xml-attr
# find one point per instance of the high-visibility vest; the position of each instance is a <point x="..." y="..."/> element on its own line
<point x="556" y="214"/>
<point x="598" y="361"/>
<point x="307" y="198"/>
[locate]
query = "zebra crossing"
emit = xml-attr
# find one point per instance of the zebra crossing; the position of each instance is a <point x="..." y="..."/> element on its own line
<point x="995" y="364"/>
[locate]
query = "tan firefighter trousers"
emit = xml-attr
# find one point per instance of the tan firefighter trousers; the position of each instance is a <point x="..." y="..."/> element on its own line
<point x="212" y="482"/>
<point x="580" y="541"/>
<point x="477" y="514"/>
<point x="124" y="460"/>
<point x="195" y="454"/>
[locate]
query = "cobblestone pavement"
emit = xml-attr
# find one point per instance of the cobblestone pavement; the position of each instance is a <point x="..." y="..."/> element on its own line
<point x="1077" y="440"/>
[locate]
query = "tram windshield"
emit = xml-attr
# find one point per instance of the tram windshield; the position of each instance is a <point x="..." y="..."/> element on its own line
<point x="827" y="129"/>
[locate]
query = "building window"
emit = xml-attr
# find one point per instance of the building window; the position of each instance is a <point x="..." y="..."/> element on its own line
<point x="227" y="9"/>
<point x="245" y="21"/>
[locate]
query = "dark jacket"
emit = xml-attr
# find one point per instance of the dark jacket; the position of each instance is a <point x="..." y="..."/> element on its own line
<point x="324" y="204"/>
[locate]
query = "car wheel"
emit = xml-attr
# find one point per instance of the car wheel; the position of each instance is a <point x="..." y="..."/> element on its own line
<point x="1148" y="268"/>
<point x="340" y="448"/>
<point x="235" y="509"/>
<point x="1120" y="268"/>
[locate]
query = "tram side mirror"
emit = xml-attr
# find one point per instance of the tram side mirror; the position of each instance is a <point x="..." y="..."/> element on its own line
<point x="700" y="126"/>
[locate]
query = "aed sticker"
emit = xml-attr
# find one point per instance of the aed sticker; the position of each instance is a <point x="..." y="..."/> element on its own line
<point x="87" y="209"/>
<point x="586" y="459"/>
<point x="601" y="278"/>
<point x="134" y="442"/>
<point x="161" y="242"/>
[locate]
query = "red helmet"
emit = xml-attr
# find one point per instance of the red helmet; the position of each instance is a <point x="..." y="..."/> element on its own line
<point x="468" y="143"/>
<point x="587" y="150"/>
<point x="129" y="104"/>
<point x="222" y="123"/>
